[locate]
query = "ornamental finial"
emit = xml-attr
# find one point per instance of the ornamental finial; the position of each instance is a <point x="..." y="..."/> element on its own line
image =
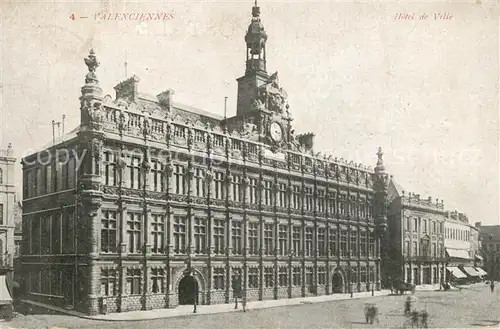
<point x="379" y="155"/>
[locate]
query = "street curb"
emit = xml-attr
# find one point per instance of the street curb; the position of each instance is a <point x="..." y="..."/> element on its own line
<point x="293" y="302"/>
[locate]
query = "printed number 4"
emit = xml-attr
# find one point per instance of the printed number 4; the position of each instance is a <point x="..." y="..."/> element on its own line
<point x="72" y="16"/>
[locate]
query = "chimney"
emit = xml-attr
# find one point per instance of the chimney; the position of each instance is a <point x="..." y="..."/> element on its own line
<point x="127" y="90"/>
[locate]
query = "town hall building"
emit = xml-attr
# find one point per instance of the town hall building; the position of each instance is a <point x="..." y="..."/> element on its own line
<point x="150" y="203"/>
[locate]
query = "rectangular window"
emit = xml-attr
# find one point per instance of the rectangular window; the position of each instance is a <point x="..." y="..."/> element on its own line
<point x="158" y="280"/>
<point x="71" y="173"/>
<point x="1" y="214"/>
<point x="415" y="225"/>
<point x="236" y="188"/>
<point x="69" y="238"/>
<point x="407" y="248"/>
<point x="56" y="233"/>
<point x="59" y="176"/>
<point x="219" y="236"/>
<point x="48" y="178"/>
<point x="134" y="281"/>
<point x="332" y="210"/>
<point x="253" y="241"/>
<point x="309" y="241"/>
<point x="415" y="249"/>
<point x="200" y="235"/>
<point x="268" y="239"/>
<point x="354" y="275"/>
<point x="321" y="241"/>
<point x="296" y="240"/>
<point x="362" y="274"/>
<point x="283" y="237"/>
<point x="321" y="275"/>
<point x="283" y="276"/>
<point x="199" y="182"/>
<point x="362" y="209"/>
<point x="268" y="277"/>
<point x="343" y="243"/>
<point x="35" y="234"/>
<point x="156" y="177"/>
<point x="45" y="237"/>
<point x="296" y="197"/>
<point x="219" y="278"/>
<point x="179" y="235"/>
<point x="321" y="201"/>
<point x="219" y="185"/>
<point x="108" y="282"/>
<point x="309" y="277"/>
<point x="297" y="276"/>
<point x="253" y="278"/>
<point x="236" y="236"/>
<point x="268" y="193"/>
<point x="178" y="181"/>
<point x="157" y="233"/>
<point x="434" y="250"/>
<point x="362" y="244"/>
<point x="134" y="228"/>
<point x="135" y="180"/>
<point x="110" y="173"/>
<point x="354" y="244"/>
<point x="371" y="244"/>
<point x="309" y="202"/>
<point x="425" y="225"/>
<point x="342" y="205"/>
<point x="252" y="188"/>
<point x="332" y="241"/>
<point x="39" y="187"/>
<point x="281" y="202"/>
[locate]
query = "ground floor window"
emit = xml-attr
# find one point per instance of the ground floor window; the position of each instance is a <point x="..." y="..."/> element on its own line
<point x="158" y="280"/>
<point x="283" y="277"/>
<point x="435" y="275"/>
<point x="134" y="281"/>
<point x="297" y="276"/>
<point x="321" y="275"/>
<point x="219" y="278"/>
<point x="253" y="278"/>
<point x="108" y="282"/>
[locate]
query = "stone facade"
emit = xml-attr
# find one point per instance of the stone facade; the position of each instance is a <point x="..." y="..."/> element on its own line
<point x="416" y="229"/>
<point x="490" y="249"/>
<point x="154" y="203"/>
<point x="8" y="207"/>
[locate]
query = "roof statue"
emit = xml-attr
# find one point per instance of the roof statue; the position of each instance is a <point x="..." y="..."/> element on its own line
<point x="92" y="64"/>
<point x="272" y="95"/>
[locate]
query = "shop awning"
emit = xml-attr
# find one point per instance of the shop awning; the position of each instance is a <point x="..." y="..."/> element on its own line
<point x="5" y="297"/>
<point x="458" y="253"/>
<point x="470" y="271"/>
<point x="455" y="271"/>
<point x="478" y="257"/>
<point x="481" y="271"/>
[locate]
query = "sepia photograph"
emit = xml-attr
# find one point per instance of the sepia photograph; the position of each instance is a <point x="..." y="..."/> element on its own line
<point x="249" y="164"/>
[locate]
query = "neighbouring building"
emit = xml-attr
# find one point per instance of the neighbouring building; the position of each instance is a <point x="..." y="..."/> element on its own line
<point x="8" y="206"/>
<point x="150" y="203"/>
<point x="459" y="252"/>
<point x="416" y="232"/>
<point x="490" y="249"/>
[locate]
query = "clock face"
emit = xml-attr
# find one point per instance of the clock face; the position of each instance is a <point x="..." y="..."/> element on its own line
<point x="276" y="131"/>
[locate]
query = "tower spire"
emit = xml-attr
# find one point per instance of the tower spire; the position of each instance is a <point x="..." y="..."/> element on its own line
<point x="255" y="39"/>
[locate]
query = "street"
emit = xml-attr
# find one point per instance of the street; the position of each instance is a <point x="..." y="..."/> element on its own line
<point x="471" y="307"/>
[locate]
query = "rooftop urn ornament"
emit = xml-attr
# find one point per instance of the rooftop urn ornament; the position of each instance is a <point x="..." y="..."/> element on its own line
<point x="380" y="163"/>
<point x="92" y="64"/>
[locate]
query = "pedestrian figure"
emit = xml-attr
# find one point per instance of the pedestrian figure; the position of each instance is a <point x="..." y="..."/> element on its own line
<point x="408" y="305"/>
<point x="492" y="286"/>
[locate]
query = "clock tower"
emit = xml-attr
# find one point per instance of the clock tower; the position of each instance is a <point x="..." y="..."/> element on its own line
<point x="261" y="100"/>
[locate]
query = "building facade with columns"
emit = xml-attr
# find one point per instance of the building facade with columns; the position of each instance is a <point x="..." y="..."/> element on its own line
<point x="416" y="229"/>
<point x="150" y="203"/>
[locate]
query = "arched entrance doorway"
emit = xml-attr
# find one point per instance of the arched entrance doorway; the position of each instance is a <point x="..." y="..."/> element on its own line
<point x="188" y="290"/>
<point x="337" y="283"/>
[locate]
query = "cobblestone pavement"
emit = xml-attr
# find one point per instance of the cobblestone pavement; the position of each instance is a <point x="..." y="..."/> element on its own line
<point x="473" y="307"/>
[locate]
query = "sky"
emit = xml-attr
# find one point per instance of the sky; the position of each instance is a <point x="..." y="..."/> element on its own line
<point x="425" y="90"/>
